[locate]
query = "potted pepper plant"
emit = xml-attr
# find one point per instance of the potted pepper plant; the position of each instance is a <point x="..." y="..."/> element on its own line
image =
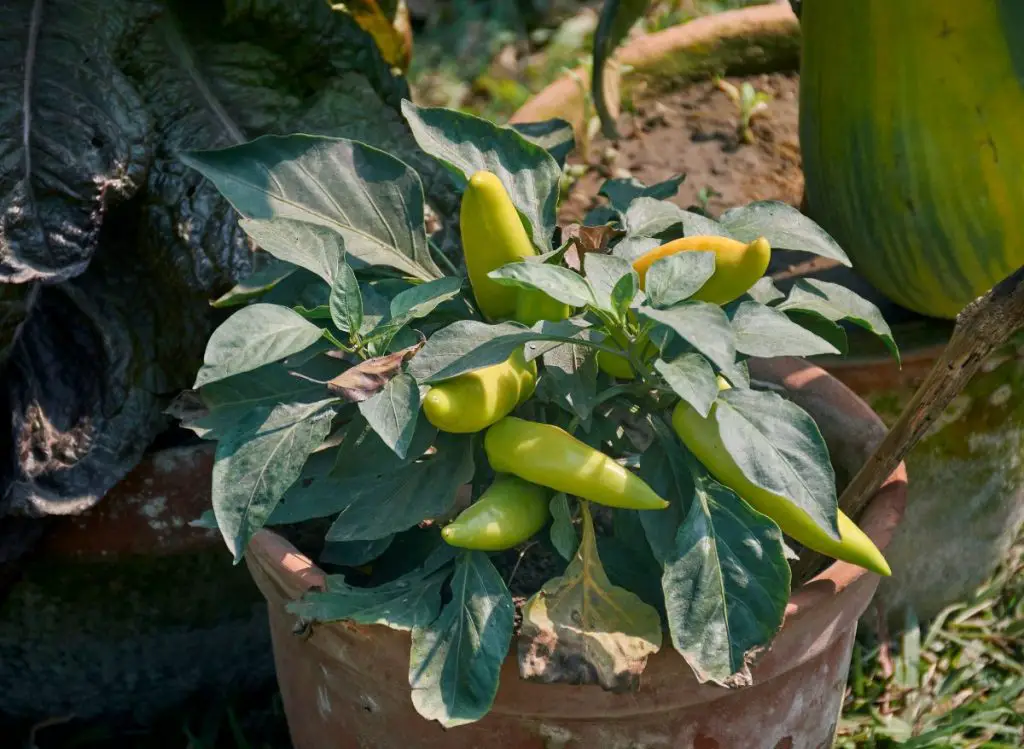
<point x="613" y="407"/>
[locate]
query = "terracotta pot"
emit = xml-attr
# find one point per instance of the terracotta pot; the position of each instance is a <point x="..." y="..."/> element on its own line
<point x="125" y="611"/>
<point x="758" y="39"/>
<point x="345" y="685"/>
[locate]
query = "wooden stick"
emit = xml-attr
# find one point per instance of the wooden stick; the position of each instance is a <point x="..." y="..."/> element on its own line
<point x="983" y="326"/>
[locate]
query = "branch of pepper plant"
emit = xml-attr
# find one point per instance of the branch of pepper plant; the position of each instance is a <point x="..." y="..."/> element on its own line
<point x="981" y="327"/>
<point x="444" y="258"/>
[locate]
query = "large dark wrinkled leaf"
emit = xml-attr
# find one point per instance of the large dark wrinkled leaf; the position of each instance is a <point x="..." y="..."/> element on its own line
<point x="74" y="134"/>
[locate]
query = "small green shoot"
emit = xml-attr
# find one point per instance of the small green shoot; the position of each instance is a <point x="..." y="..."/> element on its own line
<point x="749" y="101"/>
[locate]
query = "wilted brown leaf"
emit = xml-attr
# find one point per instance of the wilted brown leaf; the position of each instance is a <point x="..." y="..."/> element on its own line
<point x="589" y="238"/>
<point x="392" y="32"/>
<point x="366" y="379"/>
<point x="581" y="629"/>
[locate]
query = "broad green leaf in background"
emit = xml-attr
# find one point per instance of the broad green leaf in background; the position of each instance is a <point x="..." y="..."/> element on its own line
<point x="411" y="600"/>
<point x="563" y="532"/>
<point x="345" y="302"/>
<point x="318" y="249"/>
<point x="765" y="291"/>
<point x="392" y="413"/>
<point x="254" y="336"/>
<point x="765" y="332"/>
<point x="692" y="379"/>
<point x="579" y="628"/>
<point x="647" y="217"/>
<point x="362" y="452"/>
<point x="704" y="326"/>
<point x="777" y="446"/>
<point x="369" y="197"/>
<point x="630" y="248"/>
<point x="570" y="381"/>
<point x="255" y="464"/>
<point x="822" y="327"/>
<point x="604" y="274"/>
<point x="468" y="344"/>
<point x="617" y="18"/>
<point x="628" y="559"/>
<point x="783" y="226"/>
<point x="555" y="136"/>
<point x="622" y="192"/>
<point x="269" y="272"/>
<point x="726" y="585"/>
<point x="554" y="280"/>
<point x="354" y="553"/>
<point x="467" y="144"/>
<point x="663" y="468"/>
<point x="835" y="303"/>
<point x="454" y="661"/>
<point x="675" y="278"/>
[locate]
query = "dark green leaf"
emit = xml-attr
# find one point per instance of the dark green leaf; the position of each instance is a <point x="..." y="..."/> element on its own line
<point x="602" y="215"/>
<point x="554" y="280"/>
<point x="454" y="661"/>
<point x="256" y="463"/>
<point x="663" y="468"/>
<point x="605" y="273"/>
<point x="765" y="291"/>
<point x="346" y="303"/>
<point x="362" y="452"/>
<point x="412" y="600"/>
<point x="704" y="326"/>
<point x="777" y="446"/>
<point x="622" y="192"/>
<point x="468" y="344"/>
<point x="254" y="336"/>
<point x="821" y="326"/>
<point x="835" y="303"/>
<point x="628" y="558"/>
<point x="271" y="272"/>
<point x="692" y="379"/>
<point x="617" y="18"/>
<point x="726" y="585"/>
<point x="302" y="177"/>
<point x="393" y="412"/>
<point x="570" y="380"/>
<point x="555" y="136"/>
<point x="354" y="553"/>
<point x="563" y="532"/>
<point x="466" y="144"/>
<point x="316" y="248"/>
<point x="783" y="226"/>
<point x="765" y="332"/>
<point x="677" y="277"/>
<point x="581" y="629"/>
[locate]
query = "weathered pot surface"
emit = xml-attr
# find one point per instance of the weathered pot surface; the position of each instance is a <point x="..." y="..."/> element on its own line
<point x="346" y="685"/>
<point x="126" y="611"/>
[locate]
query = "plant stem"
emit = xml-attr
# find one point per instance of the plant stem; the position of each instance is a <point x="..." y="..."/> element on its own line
<point x="443" y="258"/>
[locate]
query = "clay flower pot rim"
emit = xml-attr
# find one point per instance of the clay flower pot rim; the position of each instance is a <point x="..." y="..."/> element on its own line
<point x="292" y="573"/>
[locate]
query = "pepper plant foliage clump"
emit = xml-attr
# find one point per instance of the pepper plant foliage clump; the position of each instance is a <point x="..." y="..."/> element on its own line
<point x="326" y="389"/>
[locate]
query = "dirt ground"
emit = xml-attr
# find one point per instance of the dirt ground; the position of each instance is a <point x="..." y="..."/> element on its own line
<point x="693" y="131"/>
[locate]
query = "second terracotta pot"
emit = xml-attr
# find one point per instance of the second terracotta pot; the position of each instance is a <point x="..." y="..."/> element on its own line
<point x="346" y="685"/>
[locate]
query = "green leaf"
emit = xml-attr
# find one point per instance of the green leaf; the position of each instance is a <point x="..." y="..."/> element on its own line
<point x="256" y="284"/>
<point x="765" y="332"/>
<point x="466" y="345"/>
<point x="412" y="600"/>
<point x="822" y="327"/>
<point x="386" y="501"/>
<point x="454" y="661"/>
<point x="466" y="144"/>
<point x="726" y="585"/>
<point x="363" y="453"/>
<point x="555" y="136"/>
<point x="704" y="326"/>
<point x="255" y="464"/>
<point x="557" y="282"/>
<point x="765" y="291"/>
<point x="254" y="336"/>
<point x="422" y="299"/>
<point x="692" y="379"/>
<point x="581" y="629"/>
<point x="392" y="412"/>
<point x="346" y="303"/>
<point x="630" y="248"/>
<point x="613" y="280"/>
<point x="622" y="192"/>
<point x="302" y="177"/>
<point x="616" y="19"/>
<point x="677" y="277"/>
<point x="648" y="217"/>
<point x="628" y="559"/>
<point x="663" y="468"/>
<point x="777" y="446"/>
<point x="563" y="532"/>
<point x="318" y="249"/>
<point x="354" y="553"/>
<point x="835" y="303"/>
<point x="783" y="226"/>
<point x="570" y="380"/>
